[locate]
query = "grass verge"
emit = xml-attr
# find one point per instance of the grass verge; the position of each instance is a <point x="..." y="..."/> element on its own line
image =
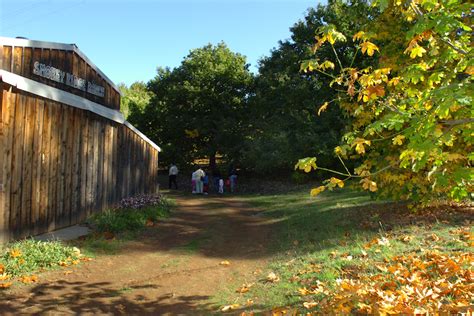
<point x="341" y="253"/>
<point x="20" y="259"/>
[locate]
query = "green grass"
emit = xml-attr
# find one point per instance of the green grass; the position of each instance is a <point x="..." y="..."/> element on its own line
<point x="128" y="220"/>
<point x="316" y="236"/>
<point x="28" y="256"/>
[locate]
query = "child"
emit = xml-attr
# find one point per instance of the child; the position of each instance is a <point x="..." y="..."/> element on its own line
<point x="205" y="182"/>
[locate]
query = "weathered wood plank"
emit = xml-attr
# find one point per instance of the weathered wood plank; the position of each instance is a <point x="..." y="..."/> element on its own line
<point x="68" y="190"/>
<point x="26" y="188"/>
<point x="17" y="59"/>
<point x="90" y="164"/>
<point x="76" y="167"/>
<point x="44" y="207"/>
<point x="7" y="58"/>
<point x="17" y="168"/>
<point x="100" y="165"/>
<point x="55" y="139"/>
<point x="84" y="160"/>
<point x="27" y="64"/>
<point x="36" y="165"/>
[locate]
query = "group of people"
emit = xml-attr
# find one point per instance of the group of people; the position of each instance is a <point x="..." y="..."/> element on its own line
<point x="200" y="180"/>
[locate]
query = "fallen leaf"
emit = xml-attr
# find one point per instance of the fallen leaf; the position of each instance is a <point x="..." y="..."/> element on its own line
<point x="272" y="277"/>
<point x="149" y="223"/>
<point x="14" y="253"/>
<point x="229" y="307"/>
<point x="224" y="263"/>
<point x="245" y="288"/>
<point x="5" y="285"/>
<point x="434" y="237"/>
<point x="67" y="272"/>
<point x="310" y="305"/>
<point x="383" y="241"/>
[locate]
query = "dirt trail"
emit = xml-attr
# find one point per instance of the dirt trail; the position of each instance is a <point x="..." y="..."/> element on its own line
<point x="173" y="269"/>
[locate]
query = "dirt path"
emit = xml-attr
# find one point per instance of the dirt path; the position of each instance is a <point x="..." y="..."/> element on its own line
<point x="173" y="269"/>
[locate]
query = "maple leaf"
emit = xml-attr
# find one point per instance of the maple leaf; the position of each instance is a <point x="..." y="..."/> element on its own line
<point x="369" y="185"/>
<point x="358" y="36"/>
<point x="336" y="182"/>
<point x="317" y="190"/>
<point x="359" y="145"/>
<point x="375" y="91"/>
<point x="416" y="51"/>
<point x="369" y="47"/>
<point x="322" y="108"/>
<point x="398" y="140"/>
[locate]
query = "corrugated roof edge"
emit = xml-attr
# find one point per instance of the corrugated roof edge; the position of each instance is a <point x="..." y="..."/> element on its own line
<point x="9" y="41"/>
<point x="55" y="94"/>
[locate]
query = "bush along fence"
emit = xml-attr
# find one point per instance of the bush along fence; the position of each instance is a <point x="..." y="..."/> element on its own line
<point x="66" y="151"/>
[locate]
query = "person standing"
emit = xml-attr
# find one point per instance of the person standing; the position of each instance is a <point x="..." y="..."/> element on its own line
<point x="198" y="176"/>
<point x="173" y="175"/>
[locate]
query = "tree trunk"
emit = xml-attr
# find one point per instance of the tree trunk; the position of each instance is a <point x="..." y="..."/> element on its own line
<point x="212" y="161"/>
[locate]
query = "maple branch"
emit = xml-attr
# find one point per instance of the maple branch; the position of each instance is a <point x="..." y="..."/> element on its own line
<point x="458" y="122"/>
<point x="444" y="40"/>
<point x="337" y="57"/>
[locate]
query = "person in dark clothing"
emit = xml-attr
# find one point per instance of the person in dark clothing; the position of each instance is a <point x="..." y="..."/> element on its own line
<point x="173" y="174"/>
<point x="216" y="176"/>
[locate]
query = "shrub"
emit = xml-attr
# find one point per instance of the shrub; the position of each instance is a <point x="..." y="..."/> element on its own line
<point x="129" y="219"/>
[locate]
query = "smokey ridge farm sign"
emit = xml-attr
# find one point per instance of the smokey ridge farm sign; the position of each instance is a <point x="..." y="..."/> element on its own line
<point x="66" y="78"/>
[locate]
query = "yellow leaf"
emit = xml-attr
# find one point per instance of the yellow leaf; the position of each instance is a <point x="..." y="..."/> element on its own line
<point x="369" y="185"/>
<point x="369" y="47"/>
<point x="337" y="182"/>
<point x="224" y="263"/>
<point x="317" y="190"/>
<point x="5" y="285"/>
<point x="398" y="140"/>
<point x="417" y="51"/>
<point x="229" y="307"/>
<point x="359" y="35"/>
<point x="323" y="108"/>
<point x="359" y="145"/>
<point x="272" y="277"/>
<point x="14" y="253"/>
<point x="310" y="305"/>
<point x="469" y="70"/>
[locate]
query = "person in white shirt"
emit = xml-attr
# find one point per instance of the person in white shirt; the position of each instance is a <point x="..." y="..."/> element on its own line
<point x="173" y="174"/>
<point x="197" y="178"/>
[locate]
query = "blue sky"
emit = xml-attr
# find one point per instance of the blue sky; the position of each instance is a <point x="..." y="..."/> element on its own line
<point x="129" y="39"/>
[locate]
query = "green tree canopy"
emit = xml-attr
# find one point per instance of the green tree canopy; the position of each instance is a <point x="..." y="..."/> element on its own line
<point x="134" y="98"/>
<point x="286" y="99"/>
<point x="199" y="109"/>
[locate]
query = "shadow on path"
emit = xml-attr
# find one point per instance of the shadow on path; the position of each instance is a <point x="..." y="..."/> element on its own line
<point x="172" y="269"/>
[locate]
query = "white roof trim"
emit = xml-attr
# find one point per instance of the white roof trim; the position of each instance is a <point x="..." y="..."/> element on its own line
<point x="142" y="135"/>
<point x="65" y="97"/>
<point x="8" y="41"/>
